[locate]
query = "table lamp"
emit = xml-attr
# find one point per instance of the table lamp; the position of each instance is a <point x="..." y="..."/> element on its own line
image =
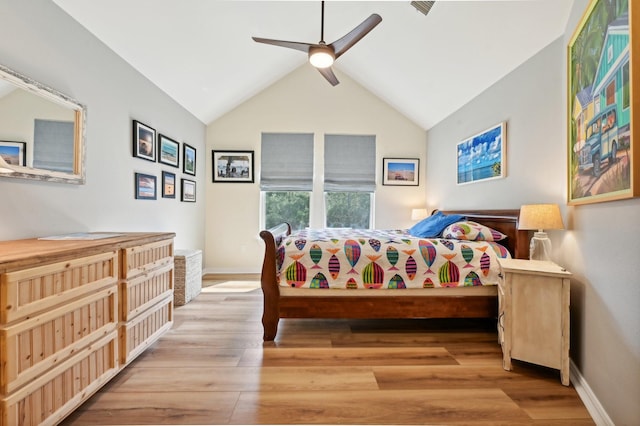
<point x="539" y="217"/>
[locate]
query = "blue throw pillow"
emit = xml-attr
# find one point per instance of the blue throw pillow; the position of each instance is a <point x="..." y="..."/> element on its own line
<point x="433" y="225"/>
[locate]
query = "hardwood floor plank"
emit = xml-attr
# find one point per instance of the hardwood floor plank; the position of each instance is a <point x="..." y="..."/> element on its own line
<point x="168" y="356"/>
<point x="549" y="402"/>
<point x="411" y="338"/>
<point x="271" y="357"/>
<point x="375" y="407"/>
<point x="196" y="339"/>
<point x="454" y="377"/>
<point x="186" y="379"/>
<point x="477" y="353"/>
<point x="155" y="408"/>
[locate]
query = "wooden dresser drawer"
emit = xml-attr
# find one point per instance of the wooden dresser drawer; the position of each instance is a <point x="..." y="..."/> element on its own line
<point x="144" y="291"/>
<point x="26" y="292"/>
<point x="51" y="396"/>
<point x="46" y="340"/>
<point x="143" y="258"/>
<point x="139" y="333"/>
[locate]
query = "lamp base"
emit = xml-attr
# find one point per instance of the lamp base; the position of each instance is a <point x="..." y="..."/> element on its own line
<point x="540" y="247"/>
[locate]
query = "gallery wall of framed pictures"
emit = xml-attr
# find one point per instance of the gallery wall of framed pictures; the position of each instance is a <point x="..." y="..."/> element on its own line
<point x="149" y="145"/>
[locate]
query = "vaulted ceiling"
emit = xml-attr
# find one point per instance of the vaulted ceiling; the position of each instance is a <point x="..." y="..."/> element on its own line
<point x="200" y="52"/>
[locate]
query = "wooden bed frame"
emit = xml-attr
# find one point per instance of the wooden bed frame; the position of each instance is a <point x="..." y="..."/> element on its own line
<point x="278" y="306"/>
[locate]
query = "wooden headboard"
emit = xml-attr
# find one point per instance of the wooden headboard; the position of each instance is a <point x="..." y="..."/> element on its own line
<point x="505" y="221"/>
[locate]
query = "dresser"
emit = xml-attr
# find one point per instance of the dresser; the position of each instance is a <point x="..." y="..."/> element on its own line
<point x="533" y="322"/>
<point x="73" y="313"/>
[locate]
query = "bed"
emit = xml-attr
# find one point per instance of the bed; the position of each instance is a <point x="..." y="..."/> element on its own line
<point x="287" y="294"/>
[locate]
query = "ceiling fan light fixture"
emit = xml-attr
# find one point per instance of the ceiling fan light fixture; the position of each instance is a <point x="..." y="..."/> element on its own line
<point x="321" y="56"/>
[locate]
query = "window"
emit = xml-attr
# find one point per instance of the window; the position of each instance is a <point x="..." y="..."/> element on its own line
<point x="53" y="145"/>
<point x="286" y="181"/>
<point x="611" y="93"/>
<point x="348" y="210"/>
<point x="349" y="180"/>
<point x="286" y="178"/>
<point x="287" y="206"/>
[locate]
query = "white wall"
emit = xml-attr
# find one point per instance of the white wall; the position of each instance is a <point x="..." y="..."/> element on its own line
<point x="600" y="245"/>
<point x="41" y="41"/>
<point x="303" y="102"/>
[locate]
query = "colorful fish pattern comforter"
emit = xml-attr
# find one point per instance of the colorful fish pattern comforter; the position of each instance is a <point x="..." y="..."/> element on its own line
<point x="384" y="259"/>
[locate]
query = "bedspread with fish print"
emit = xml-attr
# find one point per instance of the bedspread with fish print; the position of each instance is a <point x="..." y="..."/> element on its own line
<point x="384" y="259"/>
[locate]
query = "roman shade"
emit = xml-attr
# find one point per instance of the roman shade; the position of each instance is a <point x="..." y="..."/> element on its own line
<point x="287" y="162"/>
<point x="349" y="163"/>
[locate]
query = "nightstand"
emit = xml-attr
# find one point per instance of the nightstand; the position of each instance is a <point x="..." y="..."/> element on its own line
<point x="533" y="322"/>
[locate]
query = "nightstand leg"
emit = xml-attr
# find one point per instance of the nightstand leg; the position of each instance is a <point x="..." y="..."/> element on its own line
<point x="564" y="372"/>
<point x="506" y="361"/>
<point x="506" y="353"/>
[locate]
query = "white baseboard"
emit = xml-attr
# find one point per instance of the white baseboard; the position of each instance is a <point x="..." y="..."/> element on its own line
<point x="589" y="399"/>
<point x="218" y="271"/>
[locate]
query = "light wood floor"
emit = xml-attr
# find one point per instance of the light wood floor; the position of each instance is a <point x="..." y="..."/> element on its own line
<point x="213" y="368"/>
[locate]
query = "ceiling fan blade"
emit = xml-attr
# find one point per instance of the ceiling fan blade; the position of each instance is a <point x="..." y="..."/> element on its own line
<point x="304" y="47"/>
<point x="329" y="75"/>
<point x="346" y="42"/>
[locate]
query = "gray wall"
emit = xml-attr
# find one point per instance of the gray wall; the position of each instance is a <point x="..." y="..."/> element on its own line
<point x="600" y="244"/>
<point x="40" y="40"/>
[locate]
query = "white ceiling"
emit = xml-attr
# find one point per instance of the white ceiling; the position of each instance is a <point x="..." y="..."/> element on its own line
<point x="200" y="52"/>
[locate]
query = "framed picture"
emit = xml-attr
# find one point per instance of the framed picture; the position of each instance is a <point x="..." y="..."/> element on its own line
<point x="168" y="151"/>
<point x="189" y="159"/>
<point x="232" y="166"/>
<point x="602" y="94"/>
<point x="168" y="185"/>
<point x="14" y="153"/>
<point x="188" y="190"/>
<point x="400" y="171"/>
<point x="482" y="156"/>
<point x="144" y="141"/>
<point x="145" y="187"/>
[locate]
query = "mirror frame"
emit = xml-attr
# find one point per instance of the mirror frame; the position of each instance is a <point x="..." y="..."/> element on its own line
<point x="22" y="172"/>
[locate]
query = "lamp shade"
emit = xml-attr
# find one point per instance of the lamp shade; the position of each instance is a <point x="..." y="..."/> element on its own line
<point x="540" y="216"/>
<point x="419" y="214"/>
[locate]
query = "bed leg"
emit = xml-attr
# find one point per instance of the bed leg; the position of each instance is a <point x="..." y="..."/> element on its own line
<point x="270" y="315"/>
<point x="270" y="327"/>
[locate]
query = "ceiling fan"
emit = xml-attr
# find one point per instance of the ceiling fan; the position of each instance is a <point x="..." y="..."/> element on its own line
<point x="322" y="55"/>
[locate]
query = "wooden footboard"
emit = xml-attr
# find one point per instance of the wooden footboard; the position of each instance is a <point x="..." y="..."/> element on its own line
<point x="277" y="306"/>
<point x="268" y="280"/>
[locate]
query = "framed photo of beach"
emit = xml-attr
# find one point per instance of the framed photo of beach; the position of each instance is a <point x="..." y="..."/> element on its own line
<point x="145" y="187"/>
<point x="13" y="153"/>
<point x="602" y="99"/>
<point x="168" y="151"/>
<point x="482" y="156"/>
<point x="232" y="166"/>
<point x="400" y="171"/>
<point x="168" y="185"/>
<point x="188" y="190"/>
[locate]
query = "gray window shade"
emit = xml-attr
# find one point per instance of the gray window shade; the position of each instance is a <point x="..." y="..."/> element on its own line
<point x="349" y="163"/>
<point x="53" y="145"/>
<point x="286" y="162"/>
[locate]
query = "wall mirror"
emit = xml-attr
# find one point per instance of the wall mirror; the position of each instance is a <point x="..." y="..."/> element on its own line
<point x="42" y="131"/>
